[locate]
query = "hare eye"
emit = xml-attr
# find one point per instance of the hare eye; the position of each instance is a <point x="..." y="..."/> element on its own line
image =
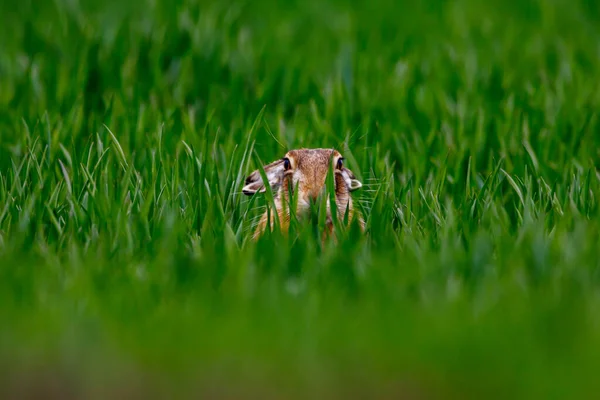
<point x="286" y="164"/>
<point x="340" y="163"/>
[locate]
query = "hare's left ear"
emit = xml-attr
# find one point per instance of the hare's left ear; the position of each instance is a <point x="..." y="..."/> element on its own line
<point x="254" y="183"/>
<point x="351" y="181"/>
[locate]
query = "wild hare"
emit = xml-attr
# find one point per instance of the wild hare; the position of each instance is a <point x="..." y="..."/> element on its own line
<point x="303" y="174"/>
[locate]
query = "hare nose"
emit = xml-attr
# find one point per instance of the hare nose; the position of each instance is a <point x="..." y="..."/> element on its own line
<point x="315" y="197"/>
<point x="316" y="193"/>
<point x="314" y="202"/>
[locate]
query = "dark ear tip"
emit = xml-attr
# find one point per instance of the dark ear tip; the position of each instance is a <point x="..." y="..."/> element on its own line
<point x="248" y="192"/>
<point x="254" y="176"/>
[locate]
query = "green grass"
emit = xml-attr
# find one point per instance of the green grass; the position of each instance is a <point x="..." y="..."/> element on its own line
<point x="127" y="130"/>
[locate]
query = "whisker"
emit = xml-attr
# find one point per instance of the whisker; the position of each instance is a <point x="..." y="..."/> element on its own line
<point x="363" y="198"/>
<point x="253" y="222"/>
<point x="258" y="208"/>
<point x="250" y="228"/>
<point x="237" y="193"/>
<point x="253" y="209"/>
<point x="374" y="182"/>
<point x="255" y="219"/>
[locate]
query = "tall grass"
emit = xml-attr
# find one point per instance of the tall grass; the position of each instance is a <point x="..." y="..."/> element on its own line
<point x="126" y="263"/>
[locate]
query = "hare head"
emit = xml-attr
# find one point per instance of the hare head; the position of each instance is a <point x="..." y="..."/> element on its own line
<point x="303" y="173"/>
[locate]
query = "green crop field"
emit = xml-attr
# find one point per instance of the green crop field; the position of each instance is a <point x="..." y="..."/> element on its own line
<point x="127" y="268"/>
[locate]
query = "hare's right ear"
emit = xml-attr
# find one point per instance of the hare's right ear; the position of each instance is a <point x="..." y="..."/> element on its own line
<point x="254" y="183"/>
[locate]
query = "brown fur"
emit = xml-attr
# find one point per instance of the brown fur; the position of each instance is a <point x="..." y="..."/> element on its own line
<point x="308" y="170"/>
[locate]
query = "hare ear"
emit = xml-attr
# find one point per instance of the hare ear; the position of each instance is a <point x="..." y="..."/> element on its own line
<point x="254" y="183"/>
<point x="351" y="181"/>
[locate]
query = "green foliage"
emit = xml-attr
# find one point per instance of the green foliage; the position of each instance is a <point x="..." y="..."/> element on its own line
<point x="127" y="131"/>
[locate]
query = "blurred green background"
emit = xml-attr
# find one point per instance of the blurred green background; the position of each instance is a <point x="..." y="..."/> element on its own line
<point x="127" y="129"/>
